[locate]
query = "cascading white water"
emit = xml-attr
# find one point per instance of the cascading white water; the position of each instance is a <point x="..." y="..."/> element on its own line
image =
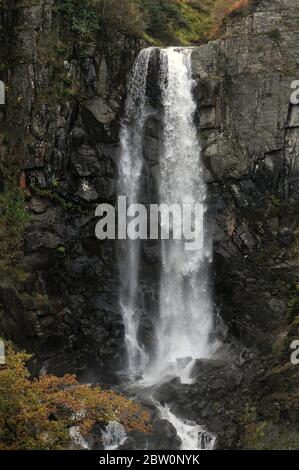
<point x="114" y="436"/>
<point x="183" y="331"/>
<point x="77" y="439"/>
<point x="185" y="316"/>
<point x="193" y="436"/>
<point x="129" y="181"/>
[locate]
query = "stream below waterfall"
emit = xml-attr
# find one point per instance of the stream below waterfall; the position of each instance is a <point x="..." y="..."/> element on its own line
<point x="183" y="328"/>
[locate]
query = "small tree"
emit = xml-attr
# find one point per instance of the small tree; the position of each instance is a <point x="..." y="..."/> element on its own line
<point x="36" y="414"/>
<point x="122" y="14"/>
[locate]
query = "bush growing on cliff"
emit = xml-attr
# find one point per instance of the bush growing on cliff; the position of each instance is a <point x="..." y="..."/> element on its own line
<point x="177" y="21"/>
<point x="85" y="17"/>
<point x="80" y="19"/>
<point x="165" y="21"/>
<point x="162" y="18"/>
<point x="223" y="8"/>
<point x="12" y="210"/>
<point x="36" y="414"/>
<point x="123" y="14"/>
<point x="13" y="214"/>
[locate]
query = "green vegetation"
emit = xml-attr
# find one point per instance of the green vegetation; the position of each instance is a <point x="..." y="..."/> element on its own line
<point x="157" y="21"/>
<point x="293" y="308"/>
<point x="53" y="196"/>
<point x="80" y="18"/>
<point x="13" y="220"/>
<point x="61" y="250"/>
<point x="265" y="435"/>
<point x="13" y="214"/>
<point x="276" y="201"/>
<point x="177" y="22"/>
<point x="274" y="34"/>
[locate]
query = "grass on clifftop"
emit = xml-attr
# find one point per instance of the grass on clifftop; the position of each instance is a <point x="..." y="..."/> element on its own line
<point x="161" y="22"/>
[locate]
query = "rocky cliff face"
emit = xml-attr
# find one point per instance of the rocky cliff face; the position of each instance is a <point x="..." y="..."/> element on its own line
<point x="250" y="136"/>
<point x="61" y="124"/>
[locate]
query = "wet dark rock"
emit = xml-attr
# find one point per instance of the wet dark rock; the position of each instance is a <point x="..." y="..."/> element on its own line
<point x="99" y="118"/>
<point x="86" y="162"/>
<point x="164" y="436"/>
<point x="16" y="326"/>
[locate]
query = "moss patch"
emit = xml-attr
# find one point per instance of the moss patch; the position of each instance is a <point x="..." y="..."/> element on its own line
<point x="266" y="435"/>
<point x="14" y="218"/>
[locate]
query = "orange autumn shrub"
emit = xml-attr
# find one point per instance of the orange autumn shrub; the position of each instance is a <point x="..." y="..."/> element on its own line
<point x="224" y="8"/>
<point x="37" y="414"/>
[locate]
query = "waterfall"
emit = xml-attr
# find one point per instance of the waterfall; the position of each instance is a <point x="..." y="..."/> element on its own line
<point x="185" y="318"/>
<point x="184" y="326"/>
<point x="183" y="331"/>
<point x="129" y="180"/>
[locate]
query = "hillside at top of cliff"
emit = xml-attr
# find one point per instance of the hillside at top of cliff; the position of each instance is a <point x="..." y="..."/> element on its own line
<point x="160" y="22"/>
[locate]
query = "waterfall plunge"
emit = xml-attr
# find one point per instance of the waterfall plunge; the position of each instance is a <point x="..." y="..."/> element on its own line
<point x="185" y="317"/>
<point x="131" y="138"/>
<point x="183" y="331"/>
<point x="193" y="436"/>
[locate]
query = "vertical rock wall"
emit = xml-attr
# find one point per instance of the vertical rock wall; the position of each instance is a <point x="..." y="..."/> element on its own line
<point x="61" y="123"/>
